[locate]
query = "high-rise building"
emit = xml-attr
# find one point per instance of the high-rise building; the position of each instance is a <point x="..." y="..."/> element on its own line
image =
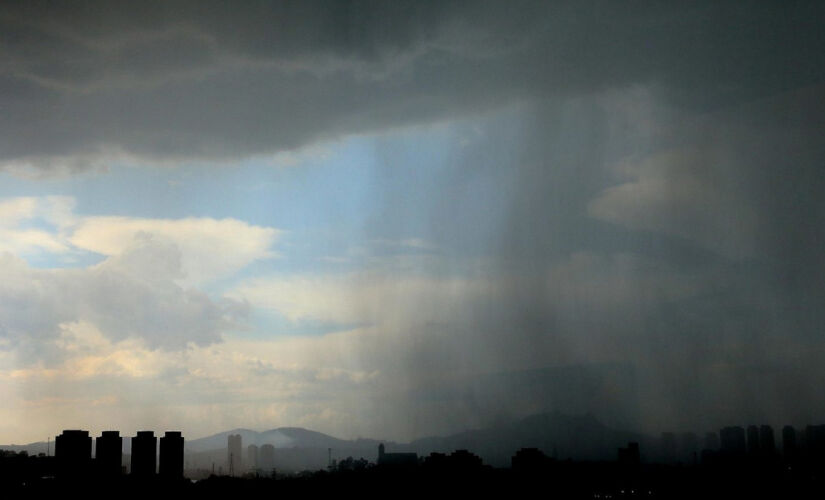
<point x="144" y="454"/>
<point x="753" y="440"/>
<point x="252" y="456"/>
<point x="789" y="449"/>
<point x="815" y="443"/>
<point x="711" y="441"/>
<point x="171" y="455"/>
<point x="73" y="452"/>
<point x="109" y="453"/>
<point x="234" y="452"/>
<point x="732" y="441"/>
<point x="396" y="459"/>
<point x="767" y="441"/>
<point x="266" y="459"/>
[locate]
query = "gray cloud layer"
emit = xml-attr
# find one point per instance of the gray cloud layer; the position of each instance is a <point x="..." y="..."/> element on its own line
<point x="209" y="80"/>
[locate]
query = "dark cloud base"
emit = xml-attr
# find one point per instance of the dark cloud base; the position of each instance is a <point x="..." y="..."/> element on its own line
<point x="211" y="81"/>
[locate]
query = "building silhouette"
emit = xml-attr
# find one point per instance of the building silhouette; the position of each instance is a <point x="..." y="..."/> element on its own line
<point x="144" y="454"/>
<point x="711" y="441"/>
<point x="396" y="459"/>
<point x="109" y="454"/>
<point x="266" y="459"/>
<point x="732" y="441"/>
<point x="234" y="454"/>
<point x="767" y="441"/>
<point x="463" y="460"/>
<point x="789" y="447"/>
<point x="73" y="452"/>
<point x="530" y="460"/>
<point x="252" y="456"/>
<point x="171" y="455"/>
<point x="753" y="440"/>
<point x="629" y="456"/>
<point x="815" y="443"/>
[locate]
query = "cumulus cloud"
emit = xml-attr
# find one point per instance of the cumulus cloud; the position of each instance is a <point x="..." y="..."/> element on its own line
<point x="144" y="288"/>
<point x="205" y="249"/>
<point x="208" y="248"/>
<point x="122" y="299"/>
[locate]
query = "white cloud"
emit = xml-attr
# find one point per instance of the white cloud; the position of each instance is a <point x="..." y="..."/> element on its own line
<point x="209" y="248"/>
<point x="129" y="296"/>
<point x="15" y="209"/>
<point x="19" y="233"/>
<point x="142" y="289"/>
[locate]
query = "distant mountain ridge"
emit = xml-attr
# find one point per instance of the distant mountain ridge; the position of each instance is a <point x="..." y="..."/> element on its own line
<point x="282" y="437"/>
<point x="580" y="437"/>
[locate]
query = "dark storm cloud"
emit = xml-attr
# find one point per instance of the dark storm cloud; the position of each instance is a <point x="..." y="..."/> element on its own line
<point x="210" y="80"/>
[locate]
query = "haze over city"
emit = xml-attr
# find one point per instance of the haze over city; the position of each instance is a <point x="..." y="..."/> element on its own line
<point x="404" y="219"/>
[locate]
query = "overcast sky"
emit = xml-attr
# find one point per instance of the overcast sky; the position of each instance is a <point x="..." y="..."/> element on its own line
<point x="398" y="219"/>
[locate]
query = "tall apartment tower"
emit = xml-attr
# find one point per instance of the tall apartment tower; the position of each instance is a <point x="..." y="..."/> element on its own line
<point x="266" y="459"/>
<point x="789" y="448"/>
<point x="753" y="440"/>
<point x="73" y="453"/>
<point x="234" y="459"/>
<point x="109" y="453"/>
<point x="171" y="455"/>
<point x="767" y="441"/>
<point x="252" y="457"/>
<point x="144" y="454"/>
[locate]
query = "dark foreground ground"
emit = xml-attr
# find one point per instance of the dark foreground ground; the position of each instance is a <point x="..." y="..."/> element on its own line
<point x="603" y="480"/>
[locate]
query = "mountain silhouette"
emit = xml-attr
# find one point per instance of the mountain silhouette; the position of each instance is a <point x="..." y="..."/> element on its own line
<point x="580" y="437"/>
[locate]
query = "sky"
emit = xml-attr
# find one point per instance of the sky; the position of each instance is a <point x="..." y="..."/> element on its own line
<point x="400" y="219"/>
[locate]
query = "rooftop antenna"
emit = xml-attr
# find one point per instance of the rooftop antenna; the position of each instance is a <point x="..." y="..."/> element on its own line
<point x="48" y="446"/>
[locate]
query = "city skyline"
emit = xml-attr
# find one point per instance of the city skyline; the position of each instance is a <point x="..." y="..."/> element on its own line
<point x="81" y="456"/>
<point x="750" y="439"/>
